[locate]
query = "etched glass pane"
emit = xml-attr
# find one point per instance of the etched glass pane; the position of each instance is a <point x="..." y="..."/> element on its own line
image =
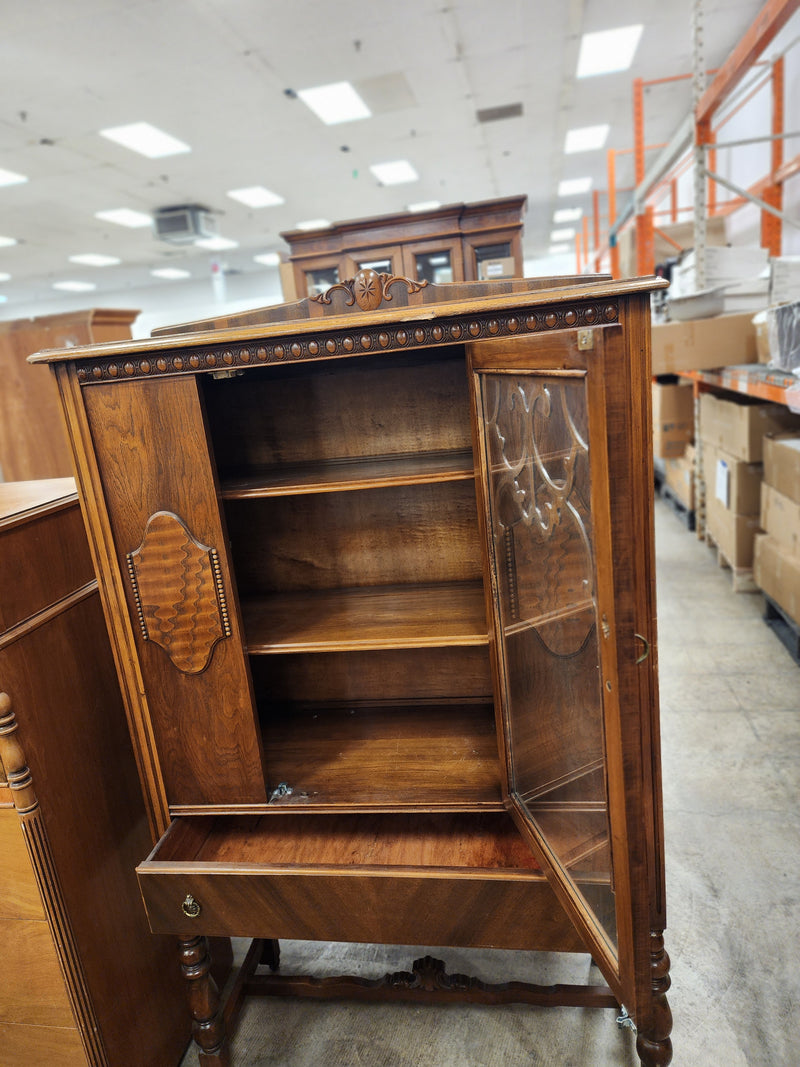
<point x="540" y="501"/>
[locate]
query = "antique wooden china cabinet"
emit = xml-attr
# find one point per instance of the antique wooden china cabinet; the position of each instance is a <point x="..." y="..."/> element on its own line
<point x="378" y="573"/>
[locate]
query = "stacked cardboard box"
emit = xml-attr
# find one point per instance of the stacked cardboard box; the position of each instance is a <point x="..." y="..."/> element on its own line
<point x="699" y="344"/>
<point x="777" y="552"/>
<point x="673" y="417"/>
<point x="732" y="433"/>
<point x="679" y="477"/>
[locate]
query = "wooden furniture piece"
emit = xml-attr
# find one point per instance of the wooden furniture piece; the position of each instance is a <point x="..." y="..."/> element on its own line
<point x="83" y="981"/>
<point x="459" y="242"/>
<point x="378" y="572"/>
<point x="32" y="439"/>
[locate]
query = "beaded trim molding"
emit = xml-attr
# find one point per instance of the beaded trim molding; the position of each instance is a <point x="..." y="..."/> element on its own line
<point x="345" y="342"/>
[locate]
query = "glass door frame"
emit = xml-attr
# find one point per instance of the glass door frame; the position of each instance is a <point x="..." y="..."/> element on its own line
<point x="626" y="966"/>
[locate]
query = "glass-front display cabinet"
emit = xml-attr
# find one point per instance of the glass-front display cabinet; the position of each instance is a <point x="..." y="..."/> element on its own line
<point x="378" y="572"/>
<point x="459" y="242"/>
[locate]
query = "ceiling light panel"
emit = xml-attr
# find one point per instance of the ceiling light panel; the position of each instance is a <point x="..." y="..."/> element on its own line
<point x="268" y="259"/>
<point x="256" y="196"/>
<point x="335" y="103"/>
<point x="586" y="138"/>
<point x="74" y="287"/>
<point x="314" y="224"/>
<point x="574" y="186"/>
<point x="6" y="242"/>
<point x="216" y="244"/>
<point x="568" y="214"/>
<point x="424" y="205"/>
<point x="94" y="259"/>
<point x="395" y="173"/>
<point x="170" y="273"/>
<point x="607" y="51"/>
<point x="8" y="177"/>
<point x="562" y="235"/>
<point x="145" y="139"/>
<point x="558" y="250"/>
<point x="124" y="216"/>
<point x="4" y="277"/>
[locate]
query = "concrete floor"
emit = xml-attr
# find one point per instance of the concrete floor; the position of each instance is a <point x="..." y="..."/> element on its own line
<point x="731" y="758"/>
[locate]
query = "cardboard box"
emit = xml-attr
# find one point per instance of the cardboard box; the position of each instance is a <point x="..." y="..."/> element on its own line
<point x="738" y="425"/>
<point x="784" y="282"/>
<point x="778" y="574"/>
<point x="673" y="419"/>
<point x="782" y="464"/>
<point x="734" y="484"/>
<point x="780" y="517"/>
<point x="699" y="344"/>
<point x="679" y="477"/>
<point x="762" y="337"/>
<point x="734" y="534"/>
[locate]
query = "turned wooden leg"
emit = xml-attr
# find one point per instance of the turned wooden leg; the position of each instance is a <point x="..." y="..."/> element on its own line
<point x="271" y="954"/>
<point x="654" y="1047"/>
<point x="208" y="1028"/>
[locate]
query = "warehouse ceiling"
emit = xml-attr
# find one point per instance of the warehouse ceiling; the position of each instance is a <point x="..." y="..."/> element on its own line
<point x="478" y="96"/>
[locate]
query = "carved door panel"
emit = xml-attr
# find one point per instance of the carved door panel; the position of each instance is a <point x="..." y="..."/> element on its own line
<point x="159" y="487"/>
<point x="543" y="407"/>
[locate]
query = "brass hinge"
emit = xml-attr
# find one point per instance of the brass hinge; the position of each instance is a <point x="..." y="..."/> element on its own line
<point x="585" y="340"/>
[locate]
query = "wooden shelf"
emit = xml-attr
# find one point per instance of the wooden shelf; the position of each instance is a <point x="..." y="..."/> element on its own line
<point x="387" y="617"/>
<point x="384" y="759"/>
<point x="333" y="476"/>
<point x="455" y="840"/>
<point x="750" y="379"/>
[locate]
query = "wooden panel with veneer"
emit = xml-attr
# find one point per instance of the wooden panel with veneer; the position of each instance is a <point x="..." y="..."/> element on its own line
<point x="151" y="445"/>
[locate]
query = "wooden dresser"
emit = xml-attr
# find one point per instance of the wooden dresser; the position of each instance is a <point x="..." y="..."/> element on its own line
<point x="378" y="573"/>
<point x="83" y="981"/>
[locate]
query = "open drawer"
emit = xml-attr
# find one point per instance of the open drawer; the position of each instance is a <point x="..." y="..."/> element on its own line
<point x="456" y="878"/>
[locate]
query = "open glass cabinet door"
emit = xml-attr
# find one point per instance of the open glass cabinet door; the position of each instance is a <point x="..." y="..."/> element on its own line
<point x="542" y="408"/>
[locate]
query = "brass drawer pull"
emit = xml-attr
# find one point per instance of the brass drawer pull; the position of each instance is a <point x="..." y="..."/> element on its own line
<point x="190" y="907"/>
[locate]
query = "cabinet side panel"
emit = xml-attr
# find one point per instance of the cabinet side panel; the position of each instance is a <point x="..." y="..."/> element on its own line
<point x="151" y="448"/>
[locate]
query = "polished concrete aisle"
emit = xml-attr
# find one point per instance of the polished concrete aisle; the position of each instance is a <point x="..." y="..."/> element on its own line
<point x="730" y="698"/>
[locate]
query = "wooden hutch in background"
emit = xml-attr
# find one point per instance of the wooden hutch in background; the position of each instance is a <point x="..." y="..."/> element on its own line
<point x="455" y="243"/>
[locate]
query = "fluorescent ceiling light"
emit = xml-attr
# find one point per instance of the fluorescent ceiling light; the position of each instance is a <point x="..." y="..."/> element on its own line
<point x="6" y="242"/>
<point x="124" y="216"/>
<point x="268" y="259"/>
<point x="586" y="138"/>
<point x="3" y="299"/>
<point x="313" y="224"/>
<point x="562" y="235"/>
<point x="4" y="277"/>
<point x="8" y="177"/>
<point x="573" y="186"/>
<point x="568" y="214"/>
<point x="557" y="250"/>
<point x="74" y="287"/>
<point x="607" y="51"/>
<point x="335" y="103"/>
<point x="93" y="259"/>
<point x="145" y="139"/>
<point x="394" y="173"/>
<point x="255" y="196"/>
<point x="170" y="273"/>
<point x="425" y="205"/>
<point x="216" y="244"/>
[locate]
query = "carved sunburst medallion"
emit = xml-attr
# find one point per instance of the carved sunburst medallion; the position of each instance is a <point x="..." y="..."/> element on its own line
<point x="368" y="290"/>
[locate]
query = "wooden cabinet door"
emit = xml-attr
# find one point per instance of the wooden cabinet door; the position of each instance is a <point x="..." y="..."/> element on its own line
<point x="174" y="586"/>
<point x="552" y="434"/>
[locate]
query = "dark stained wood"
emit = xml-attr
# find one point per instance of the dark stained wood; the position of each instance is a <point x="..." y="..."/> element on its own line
<point x="428" y="982"/>
<point x="369" y="617"/>
<point x="154" y="461"/>
<point x="208" y="1028"/>
<point x="406" y="656"/>
<point x="335" y="476"/>
<point x="391" y="758"/>
<point x="81" y="814"/>
<point x="32" y="440"/>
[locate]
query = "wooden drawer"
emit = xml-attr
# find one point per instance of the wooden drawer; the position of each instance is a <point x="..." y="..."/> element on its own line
<point x="461" y="879"/>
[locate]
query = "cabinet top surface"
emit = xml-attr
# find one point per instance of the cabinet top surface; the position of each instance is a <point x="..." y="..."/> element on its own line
<point x="283" y="321"/>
